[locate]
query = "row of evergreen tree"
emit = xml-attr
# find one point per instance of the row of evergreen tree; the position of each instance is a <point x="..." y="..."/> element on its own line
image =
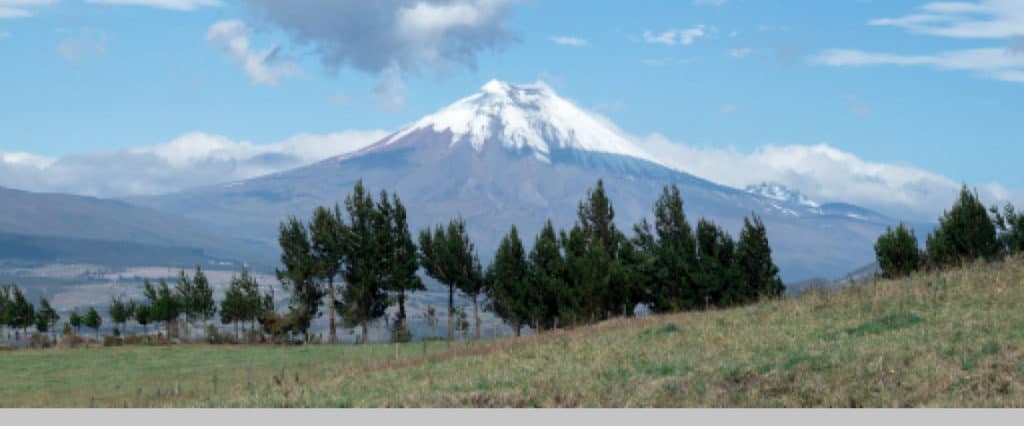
<point x="17" y="313"/>
<point x="191" y="299"/>
<point x="588" y="273"/>
<point x="966" y="233"/>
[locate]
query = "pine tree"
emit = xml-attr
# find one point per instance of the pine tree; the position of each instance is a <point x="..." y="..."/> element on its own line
<point x="469" y="272"/>
<point x="577" y="295"/>
<point x="92" y="320"/>
<point x="966" y="233"/>
<point x="164" y="305"/>
<point x="759" y="276"/>
<point x="715" y="253"/>
<point x="1011" y="229"/>
<point x="442" y="255"/>
<point x="143" y="316"/>
<point x="46" y="315"/>
<point x="253" y="304"/>
<point x="508" y="283"/>
<point x="299" y="275"/>
<point x="5" y="307"/>
<point x="21" y="314"/>
<point x="400" y="263"/>
<point x="897" y="252"/>
<point x="642" y="258"/>
<point x="232" y="306"/>
<point x="675" y="256"/>
<point x="326" y="230"/>
<point x="203" y="305"/>
<point x="75" y="320"/>
<point x="363" y="298"/>
<point x="42" y="324"/>
<point x="597" y="271"/>
<point x="185" y="290"/>
<point x="119" y="312"/>
<point x="547" y="290"/>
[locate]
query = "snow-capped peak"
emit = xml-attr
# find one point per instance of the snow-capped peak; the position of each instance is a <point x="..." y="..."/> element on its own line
<point x="782" y="193"/>
<point x="526" y="116"/>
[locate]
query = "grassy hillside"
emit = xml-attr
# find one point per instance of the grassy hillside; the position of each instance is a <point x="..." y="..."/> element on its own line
<point x="950" y="340"/>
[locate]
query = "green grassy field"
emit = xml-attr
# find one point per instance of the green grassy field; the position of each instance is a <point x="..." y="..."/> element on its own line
<point x="950" y="340"/>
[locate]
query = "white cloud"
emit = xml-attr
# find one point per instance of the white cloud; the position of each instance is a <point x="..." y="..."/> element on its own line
<point x="263" y="66"/>
<point x="676" y="36"/>
<point x="827" y="174"/>
<point x="180" y="5"/>
<point x="14" y="9"/>
<point x="570" y="41"/>
<point x="987" y="19"/>
<point x="995" y="62"/>
<point x="24" y="159"/>
<point x="740" y="53"/>
<point x="984" y="19"/>
<point x="193" y="159"/>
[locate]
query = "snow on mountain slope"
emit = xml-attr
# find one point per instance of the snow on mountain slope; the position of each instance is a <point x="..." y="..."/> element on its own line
<point x="781" y="193"/>
<point x="525" y="117"/>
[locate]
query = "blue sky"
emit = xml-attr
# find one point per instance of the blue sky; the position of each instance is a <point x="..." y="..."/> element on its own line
<point x="868" y="78"/>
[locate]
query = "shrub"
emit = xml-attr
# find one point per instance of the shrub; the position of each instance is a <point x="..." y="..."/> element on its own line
<point x="897" y="252"/>
<point x="73" y="341"/>
<point x="215" y="337"/>
<point x="965" y="234"/>
<point x="39" y="340"/>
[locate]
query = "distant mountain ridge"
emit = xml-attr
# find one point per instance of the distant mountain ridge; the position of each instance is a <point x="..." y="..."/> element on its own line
<point x="37" y="227"/>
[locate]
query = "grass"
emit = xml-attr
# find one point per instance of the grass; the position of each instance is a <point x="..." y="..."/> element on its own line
<point x="933" y="340"/>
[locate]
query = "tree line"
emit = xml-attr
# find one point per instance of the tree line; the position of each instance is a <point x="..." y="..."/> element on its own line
<point x="590" y="272"/>
<point x="966" y="233"/>
<point x="587" y="273"/>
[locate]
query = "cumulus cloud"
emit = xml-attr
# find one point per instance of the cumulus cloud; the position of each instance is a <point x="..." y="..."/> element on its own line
<point x="180" y="5"/>
<point x="375" y="36"/>
<point x="988" y="19"/>
<point x="13" y="9"/>
<point x="193" y="159"/>
<point x="827" y="174"/>
<point x="570" y="41"/>
<point x="674" y="37"/>
<point x="263" y="66"/>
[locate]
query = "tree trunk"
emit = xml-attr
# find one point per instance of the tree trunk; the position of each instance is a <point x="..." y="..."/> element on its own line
<point x="451" y="311"/>
<point x="476" y="316"/>
<point x="333" y="328"/>
<point x="519" y="329"/>
<point x="366" y="333"/>
<point x="401" y="309"/>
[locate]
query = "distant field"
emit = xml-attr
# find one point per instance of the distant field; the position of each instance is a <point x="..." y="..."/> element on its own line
<point x="950" y="340"/>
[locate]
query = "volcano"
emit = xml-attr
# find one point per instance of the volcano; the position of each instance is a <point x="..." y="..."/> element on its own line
<point x="520" y="154"/>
